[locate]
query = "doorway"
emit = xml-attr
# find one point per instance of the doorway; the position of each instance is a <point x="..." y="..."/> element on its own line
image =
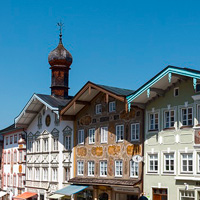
<point x="103" y="196"/>
<point x="159" y="194"/>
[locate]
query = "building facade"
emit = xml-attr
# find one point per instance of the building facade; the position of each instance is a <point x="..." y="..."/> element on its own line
<point x="106" y="137"/>
<point x="172" y="154"/>
<point x="13" y="161"/>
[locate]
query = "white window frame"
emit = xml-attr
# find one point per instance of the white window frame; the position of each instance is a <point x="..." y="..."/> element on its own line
<point x="120" y="133"/>
<point x="187" y="163"/>
<point x="104" y="134"/>
<point x="46" y="144"/>
<point x="154" y="121"/>
<point x="30" y="145"/>
<point x="91" y="168"/>
<point x="112" y="106"/>
<point x="134" y="169"/>
<point x="37" y="145"/>
<point x="118" y="168"/>
<point x="55" y="143"/>
<point x="66" y="174"/>
<point x="91" y="135"/>
<point x="54" y="174"/>
<point x="103" y="168"/>
<point x="189" y="107"/>
<point x="170" y="120"/>
<point x="29" y="173"/>
<point x="135" y="130"/>
<point x="81" y="136"/>
<point x="170" y="164"/>
<point x="45" y="174"/>
<point x="68" y="145"/>
<point x="37" y="173"/>
<point x="80" y="168"/>
<point x="198" y="158"/>
<point x="98" y="109"/>
<point x="154" y="164"/>
<point x="14" y="180"/>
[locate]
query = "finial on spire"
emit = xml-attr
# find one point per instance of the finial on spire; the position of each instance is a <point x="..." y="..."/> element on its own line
<point x="60" y="25"/>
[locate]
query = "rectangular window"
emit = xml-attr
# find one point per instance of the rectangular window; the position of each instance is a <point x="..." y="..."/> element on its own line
<point x="4" y="180"/>
<point x="169" y="162"/>
<point x="153" y="163"/>
<point x="30" y="145"/>
<point x="135" y="132"/>
<point x="68" y="142"/>
<point x="176" y="92"/>
<point x="30" y="173"/>
<point x="46" y="144"/>
<point x="37" y="173"/>
<point x="14" y="180"/>
<point x="187" y="162"/>
<point x="98" y="109"/>
<point x="11" y="139"/>
<point x="104" y="134"/>
<point x="8" y="180"/>
<point x="20" y="181"/>
<point x="91" y="136"/>
<point x="134" y="169"/>
<point x="91" y="168"/>
<point x="81" y="136"/>
<point x="80" y="167"/>
<point x="54" y="174"/>
<point x="4" y="159"/>
<point x="112" y="106"/>
<point x="153" y="121"/>
<point x="55" y="144"/>
<point x="20" y="156"/>
<point x="169" y="119"/>
<point x="6" y="140"/>
<point x="37" y="146"/>
<point x="8" y="157"/>
<point x="45" y="174"/>
<point x="187" y="116"/>
<point x="15" y="139"/>
<point x="15" y="156"/>
<point x="66" y="174"/>
<point x="119" y="133"/>
<point x="118" y="168"/>
<point x="103" y="168"/>
<point x="187" y="195"/>
<point x="198" y="87"/>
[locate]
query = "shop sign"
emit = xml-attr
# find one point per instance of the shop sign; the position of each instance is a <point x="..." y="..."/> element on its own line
<point x="137" y="158"/>
<point x="126" y="189"/>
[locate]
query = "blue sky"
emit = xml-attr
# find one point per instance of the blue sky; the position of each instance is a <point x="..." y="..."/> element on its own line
<point x="117" y="43"/>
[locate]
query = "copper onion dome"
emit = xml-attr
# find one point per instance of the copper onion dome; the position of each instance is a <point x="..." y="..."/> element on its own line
<point x="60" y="55"/>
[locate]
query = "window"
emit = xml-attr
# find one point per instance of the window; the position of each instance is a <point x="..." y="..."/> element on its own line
<point x="11" y="139"/>
<point x="15" y="156"/>
<point x="4" y="179"/>
<point x="6" y="140"/>
<point x="20" y="181"/>
<point x="66" y="174"/>
<point x="133" y="169"/>
<point x="104" y="134"/>
<point x="98" y="109"/>
<point x="4" y="159"/>
<point x="20" y="156"/>
<point x="39" y="120"/>
<point x="11" y="180"/>
<point x="37" y="173"/>
<point x="46" y="144"/>
<point x="190" y="195"/>
<point x="176" y="92"/>
<point x="8" y="182"/>
<point x="153" y="163"/>
<point x="55" y="144"/>
<point x="169" y="119"/>
<point x="187" y="162"/>
<point x="37" y="148"/>
<point x="91" y="168"/>
<point x="91" y="136"/>
<point x="112" y="106"/>
<point x="153" y="123"/>
<point x="187" y="116"/>
<point x="45" y="174"/>
<point x="14" y="180"/>
<point x="80" y="168"/>
<point x="118" y="168"/>
<point x="135" y="132"/>
<point x="81" y="136"/>
<point x="103" y="168"/>
<point x="8" y="156"/>
<point x="15" y="139"/>
<point x="119" y="133"/>
<point x="30" y="145"/>
<point x="68" y="142"/>
<point x="54" y="174"/>
<point x="169" y="162"/>
<point x="198" y="87"/>
<point x="29" y="173"/>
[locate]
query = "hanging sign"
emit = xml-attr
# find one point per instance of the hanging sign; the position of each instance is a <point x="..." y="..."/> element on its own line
<point x="137" y="158"/>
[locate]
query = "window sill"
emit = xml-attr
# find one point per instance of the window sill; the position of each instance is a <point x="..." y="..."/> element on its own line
<point x="170" y="128"/>
<point x="118" y="176"/>
<point x="91" y="143"/>
<point x="119" y="141"/>
<point x="182" y="127"/>
<point x="155" y="130"/>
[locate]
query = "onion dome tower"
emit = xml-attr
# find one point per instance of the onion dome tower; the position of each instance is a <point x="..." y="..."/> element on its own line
<point x="60" y="60"/>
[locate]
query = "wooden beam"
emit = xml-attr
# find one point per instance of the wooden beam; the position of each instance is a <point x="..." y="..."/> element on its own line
<point x="82" y="102"/>
<point x="158" y="91"/>
<point x="140" y="105"/>
<point x="68" y="117"/>
<point x="184" y="78"/>
<point x="107" y="98"/>
<point x="31" y="112"/>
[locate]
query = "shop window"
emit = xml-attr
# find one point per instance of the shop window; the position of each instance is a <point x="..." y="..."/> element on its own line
<point x="85" y="195"/>
<point x="91" y="136"/>
<point x="119" y="133"/>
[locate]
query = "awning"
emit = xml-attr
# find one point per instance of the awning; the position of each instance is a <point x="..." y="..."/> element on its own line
<point x="25" y="195"/>
<point x="56" y="196"/>
<point x="2" y="193"/>
<point x="71" y="189"/>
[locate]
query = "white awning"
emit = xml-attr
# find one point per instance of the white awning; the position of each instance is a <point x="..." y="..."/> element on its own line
<point x="2" y="193"/>
<point x="56" y="196"/>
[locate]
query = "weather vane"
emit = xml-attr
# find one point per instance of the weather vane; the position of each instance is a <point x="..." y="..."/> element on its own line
<point x="60" y="25"/>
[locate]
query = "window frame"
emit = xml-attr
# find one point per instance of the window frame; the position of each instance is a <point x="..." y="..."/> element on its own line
<point x="153" y="160"/>
<point x="103" y="165"/>
<point x="186" y="108"/>
<point x="37" y="174"/>
<point x="120" y="168"/>
<point x="54" y="177"/>
<point x="133" y="169"/>
<point x="55" y="143"/>
<point x="46" y="145"/>
<point x="120" y="134"/>
<point x="80" y="165"/>
<point x="91" y="168"/>
<point x="154" y="121"/>
<point x="91" y="139"/>
<point x="15" y="137"/>
<point x="98" y="109"/>
<point x="68" y="145"/>
<point x="170" y="121"/>
<point x="135" y="133"/>
<point x="81" y="136"/>
<point x="112" y="106"/>
<point x="187" y="166"/>
<point x="45" y="178"/>
<point x="104" y="134"/>
<point x="164" y="164"/>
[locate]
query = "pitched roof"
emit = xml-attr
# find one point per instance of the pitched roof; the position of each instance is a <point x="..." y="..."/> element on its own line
<point x="9" y="129"/>
<point x="117" y="91"/>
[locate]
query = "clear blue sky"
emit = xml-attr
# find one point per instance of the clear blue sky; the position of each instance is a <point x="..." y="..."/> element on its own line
<point x="117" y="43"/>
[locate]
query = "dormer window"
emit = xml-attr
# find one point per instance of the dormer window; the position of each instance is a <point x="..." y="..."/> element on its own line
<point x="98" y="109"/>
<point x="39" y="121"/>
<point x="112" y="107"/>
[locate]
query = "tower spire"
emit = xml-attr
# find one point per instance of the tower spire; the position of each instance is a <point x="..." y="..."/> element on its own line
<point x="60" y="25"/>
